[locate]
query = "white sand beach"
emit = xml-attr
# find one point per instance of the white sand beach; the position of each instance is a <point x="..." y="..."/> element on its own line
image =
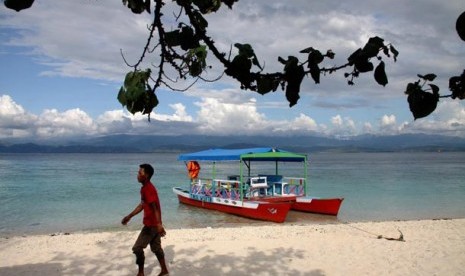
<point x="430" y="247"/>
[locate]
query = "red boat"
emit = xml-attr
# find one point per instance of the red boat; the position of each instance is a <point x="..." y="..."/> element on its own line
<point x="260" y="210"/>
<point x="263" y="196"/>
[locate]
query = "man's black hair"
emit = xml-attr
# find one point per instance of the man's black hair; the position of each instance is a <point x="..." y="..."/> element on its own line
<point x="148" y="169"/>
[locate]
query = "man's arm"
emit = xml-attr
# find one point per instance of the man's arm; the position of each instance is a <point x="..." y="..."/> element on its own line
<point x="160" y="228"/>
<point x="136" y="211"/>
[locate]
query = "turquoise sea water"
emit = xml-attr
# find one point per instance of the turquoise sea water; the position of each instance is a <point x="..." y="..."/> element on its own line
<point x="48" y="193"/>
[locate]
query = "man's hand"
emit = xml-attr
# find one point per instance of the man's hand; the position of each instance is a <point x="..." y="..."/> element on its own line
<point x="161" y="230"/>
<point x="136" y="211"/>
<point x="125" y="220"/>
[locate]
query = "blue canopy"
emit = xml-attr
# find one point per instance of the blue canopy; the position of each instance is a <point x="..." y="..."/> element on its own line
<point x="223" y="154"/>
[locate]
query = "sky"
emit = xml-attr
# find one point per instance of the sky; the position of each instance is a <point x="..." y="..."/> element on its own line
<point x="62" y="67"/>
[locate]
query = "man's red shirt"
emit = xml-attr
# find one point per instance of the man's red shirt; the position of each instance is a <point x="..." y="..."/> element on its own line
<point x="149" y="195"/>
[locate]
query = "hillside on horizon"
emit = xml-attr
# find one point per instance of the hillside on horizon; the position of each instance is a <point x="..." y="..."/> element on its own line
<point x="153" y="143"/>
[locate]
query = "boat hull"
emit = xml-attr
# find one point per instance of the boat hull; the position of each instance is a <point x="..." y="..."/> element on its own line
<point x="324" y="206"/>
<point x="259" y="210"/>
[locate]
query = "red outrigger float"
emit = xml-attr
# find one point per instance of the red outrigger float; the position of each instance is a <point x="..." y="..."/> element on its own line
<point x="265" y="196"/>
<point x="323" y="206"/>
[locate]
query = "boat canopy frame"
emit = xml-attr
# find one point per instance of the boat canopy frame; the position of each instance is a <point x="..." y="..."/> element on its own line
<point x="274" y="156"/>
<point x="246" y="156"/>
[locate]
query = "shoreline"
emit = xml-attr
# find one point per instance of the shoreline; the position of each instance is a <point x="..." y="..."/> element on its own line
<point x="427" y="247"/>
<point x="294" y="218"/>
<point x="136" y="225"/>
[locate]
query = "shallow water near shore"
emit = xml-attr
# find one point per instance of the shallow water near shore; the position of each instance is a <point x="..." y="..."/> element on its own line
<point x="48" y="193"/>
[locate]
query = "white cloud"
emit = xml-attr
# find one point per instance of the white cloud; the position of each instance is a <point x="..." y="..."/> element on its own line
<point x="337" y="120"/>
<point x="74" y="122"/>
<point x="213" y="118"/>
<point x="179" y="115"/>
<point x="226" y="118"/>
<point x="303" y="122"/>
<point x="342" y="127"/>
<point x="122" y="122"/>
<point x="114" y="122"/>
<point x="388" y="120"/>
<point x="367" y="128"/>
<point x="388" y="125"/>
<point x="14" y="120"/>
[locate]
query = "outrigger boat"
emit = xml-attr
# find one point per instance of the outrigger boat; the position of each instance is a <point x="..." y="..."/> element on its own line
<point x="263" y="196"/>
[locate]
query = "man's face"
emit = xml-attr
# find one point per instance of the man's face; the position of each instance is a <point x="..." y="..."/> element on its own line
<point x="141" y="177"/>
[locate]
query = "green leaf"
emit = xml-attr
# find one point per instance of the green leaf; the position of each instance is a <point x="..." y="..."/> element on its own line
<point x="266" y="84"/>
<point x="173" y="38"/>
<point x="457" y="86"/>
<point x="239" y="69"/>
<point x="377" y="41"/>
<point x="315" y="73"/>
<point x="307" y="50"/>
<point x="422" y="104"/>
<point x="195" y="69"/>
<point x="229" y="3"/>
<point x="147" y="5"/>
<point x="151" y="101"/>
<point x="294" y="75"/>
<point x="355" y="56"/>
<point x="460" y="26"/>
<point x="315" y="57"/>
<point x="138" y="6"/>
<point x="18" y="5"/>
<point x="427" y="77"/>
<point x="283" y="61"/>
<point x="380" y="74"/>
<point x="412" y="88"/>
<point x="199" y="53"/>
<point x="291" y="63"/>
<point x="435" y="89"/>
<point x="394" y="52"/>
<point x="122" y="97"/>
<point x="363" y="65"/>
<point x="373" y="46"/>
<point x="183" y="2"/>
<point x="136" y="93"/>
<point x="245" y="49"/>
<point x="207" y="6"/>
<point x="200" y="20"/>
<point x="370" y="50"/>
<point x="386" y="51"/>
<point x="330" y="54"/>
<point x="188" y="39"/>
<point x="255" y="62"/>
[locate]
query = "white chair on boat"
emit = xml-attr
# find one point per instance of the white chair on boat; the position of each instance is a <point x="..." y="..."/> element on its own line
<point x="275" y="183"/>
<point x="258" y="186"/>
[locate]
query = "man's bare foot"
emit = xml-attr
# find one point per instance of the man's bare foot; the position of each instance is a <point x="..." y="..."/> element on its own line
<point x="140" y="274"/>
<point x="163" y="273"/>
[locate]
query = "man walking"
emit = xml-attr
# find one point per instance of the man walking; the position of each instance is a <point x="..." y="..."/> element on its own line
<point x="153" y="229"/>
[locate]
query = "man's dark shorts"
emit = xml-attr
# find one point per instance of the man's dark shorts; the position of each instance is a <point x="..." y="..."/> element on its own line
<point x="148" y="235"/>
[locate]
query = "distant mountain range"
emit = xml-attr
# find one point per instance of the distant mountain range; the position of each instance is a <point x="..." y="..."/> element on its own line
<point x="149" y="143"/>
